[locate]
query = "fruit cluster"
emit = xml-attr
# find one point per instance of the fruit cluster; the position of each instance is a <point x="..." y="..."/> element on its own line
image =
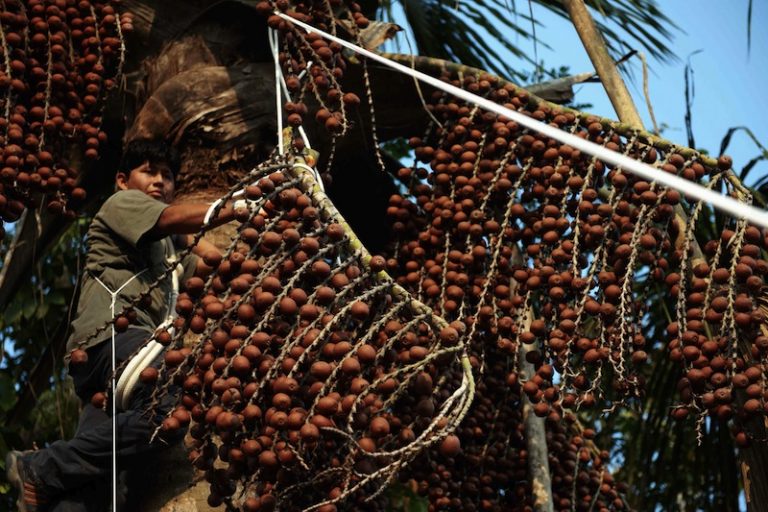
<point x="719" y="335"/>
<point x="313" y="67"/>
<point x="495" y="475"/>
<point x="528" y="241"/>
<point x="316" y="378"/>
<point x="57" y="61"/>
<point x="541" y="250"/>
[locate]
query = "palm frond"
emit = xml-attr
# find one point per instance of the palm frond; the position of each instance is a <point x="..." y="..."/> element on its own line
<point x="461" y="30"/>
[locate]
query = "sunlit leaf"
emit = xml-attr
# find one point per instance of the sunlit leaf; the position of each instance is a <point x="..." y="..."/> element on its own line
<point x="56" y="298"/>
<point x="13" y="312"/>
<point x="42" y="310"/>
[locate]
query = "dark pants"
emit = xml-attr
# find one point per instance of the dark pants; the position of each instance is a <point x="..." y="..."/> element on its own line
<point x="77" y="474"/>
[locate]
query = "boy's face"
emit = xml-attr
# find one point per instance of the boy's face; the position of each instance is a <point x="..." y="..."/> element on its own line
<point x="153" y="178"/>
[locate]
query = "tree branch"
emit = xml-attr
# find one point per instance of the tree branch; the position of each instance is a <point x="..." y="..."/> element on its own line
<point x="597" y="50"/>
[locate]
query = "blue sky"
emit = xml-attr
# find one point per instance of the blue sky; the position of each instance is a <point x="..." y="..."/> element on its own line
<point x="729" y="82"/>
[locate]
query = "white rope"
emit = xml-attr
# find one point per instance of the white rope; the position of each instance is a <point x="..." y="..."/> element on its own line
<point x="172" y="259"/>
<point x="287" y="94"/>
<point x="113" y="297"/>
<point x="281" y="84"/>
<point x="130" y="375"/>
<point x="212" y="208"/>
<point x="122" y="390"/>
<point x="724" y="203"/>
<point x="278" y="98"/>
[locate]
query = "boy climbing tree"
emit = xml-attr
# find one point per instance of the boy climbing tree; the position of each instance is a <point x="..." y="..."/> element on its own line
<point x="133" y="238"/>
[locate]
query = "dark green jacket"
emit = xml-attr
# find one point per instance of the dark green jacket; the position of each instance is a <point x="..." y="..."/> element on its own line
<point x="121" y="256"/>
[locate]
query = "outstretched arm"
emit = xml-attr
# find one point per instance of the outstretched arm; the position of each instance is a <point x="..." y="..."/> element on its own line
<point x="187" y="218"/>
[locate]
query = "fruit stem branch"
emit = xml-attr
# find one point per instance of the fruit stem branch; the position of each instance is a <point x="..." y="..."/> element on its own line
<point x="535" y="431"/>
<point x="536" y="438"/>
<point x="606" y="69"/>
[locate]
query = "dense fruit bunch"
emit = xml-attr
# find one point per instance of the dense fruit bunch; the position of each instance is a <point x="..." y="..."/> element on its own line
<point x="532" y="244"/>
<point x="719" y="336"/>
<point x="316" y="378"/>
<point x="529" y="241"/>
<point x="57" y="61"/>
<point x="313" y="67"/>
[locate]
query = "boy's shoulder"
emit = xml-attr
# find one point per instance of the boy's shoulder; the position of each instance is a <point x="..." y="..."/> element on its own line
<point x="127" y="196"/>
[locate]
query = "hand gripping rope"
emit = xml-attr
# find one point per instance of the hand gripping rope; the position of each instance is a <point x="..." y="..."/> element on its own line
<point x="149" y="352"/>
<point x="726" y="204"/>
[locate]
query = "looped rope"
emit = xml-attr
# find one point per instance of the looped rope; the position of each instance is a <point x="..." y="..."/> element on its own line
<point x="130" y="375"/>
<point x="281" y="85"/>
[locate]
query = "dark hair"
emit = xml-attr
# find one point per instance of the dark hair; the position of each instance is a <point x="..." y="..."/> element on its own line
<point x="137" y="152"/>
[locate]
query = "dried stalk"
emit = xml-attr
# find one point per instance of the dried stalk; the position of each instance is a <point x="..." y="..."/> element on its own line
<point x="606" y="69"/>
<point x="535" y="432"/>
